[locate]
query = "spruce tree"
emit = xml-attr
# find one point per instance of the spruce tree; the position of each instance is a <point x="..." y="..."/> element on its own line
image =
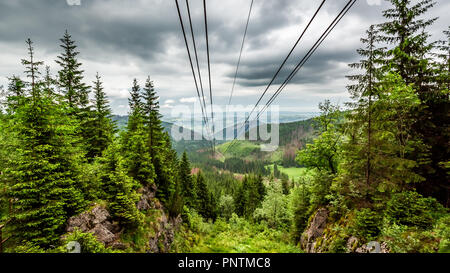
<point x="102" y="127"/>
<point x="15" y="93"/>
<point x="241" y="199"/>
<point x="407" y="32"/>
<point x="45" y="188"/>
<point x="360" y="119"/>
<point x="75" y="91"/>
<point x="261" y="188"/>
<point x="411" y="57"/>
<point x="32" y="69"/>
<point x="118" y="188"/>
<point x="70" y="75"/>
<point x="152" y="116"/>
<point x="164" y="164"/>
<point x="204" y="205"/>
<point x="444" y="64"/>
<point x="134" y="147"/>
<point x="158" y="143"/>
<point x="187" y="182"/>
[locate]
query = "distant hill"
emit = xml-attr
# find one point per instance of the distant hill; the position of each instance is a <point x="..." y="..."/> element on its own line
<point x="122" y="122"/>
<point x="292" y="135"/>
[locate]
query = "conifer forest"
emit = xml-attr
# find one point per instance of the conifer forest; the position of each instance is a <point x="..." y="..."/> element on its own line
<point x="371" y="169"/>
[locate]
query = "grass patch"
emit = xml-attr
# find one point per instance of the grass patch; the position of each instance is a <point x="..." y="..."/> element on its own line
<point x="225" y="237"/>
<point x="293" y="172"/>
<point x="240" y="149"/>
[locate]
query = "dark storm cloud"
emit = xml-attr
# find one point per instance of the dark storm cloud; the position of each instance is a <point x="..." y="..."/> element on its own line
<point x="46" y="20"/>
<point x="133" y="38"/>
<point x="315" y="70"/>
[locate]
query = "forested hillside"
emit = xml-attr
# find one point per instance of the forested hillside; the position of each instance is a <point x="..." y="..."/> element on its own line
<point x="372" y="172"/>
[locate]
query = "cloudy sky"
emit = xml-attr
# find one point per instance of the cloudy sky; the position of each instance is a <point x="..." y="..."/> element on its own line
<point x="126" y="39"/>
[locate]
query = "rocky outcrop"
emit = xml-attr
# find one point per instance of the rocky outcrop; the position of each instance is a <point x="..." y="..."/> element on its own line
<point x="324" y="235"/>
<point x="165" y="229"/>
<point x="147" y="199"/>
<point x="314" y="230"/>
<point x="98" y="222"/>
<point x="161" y="228"/>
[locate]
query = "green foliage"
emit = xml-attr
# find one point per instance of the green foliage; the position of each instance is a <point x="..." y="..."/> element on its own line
<point x="391" y="140"/>
<point x="226" y="206"/>
<point x="205" y="200"/>
<point x="87" y="241"/>
<point x="239" y="165"/>
<point x="249" y="195"/>
<point x="323" y="153"/>
<point x="238" y="235"/>
<point x="70" y="75"/>
<point x="118" y="189"/>
<point x="102" y="128"/>
<point x="274" y="209"/>
<point x="411" y="209"/>
<point x="187" y="182"/>
<point x="401" y="239"/>
<point x="137" y="159"/>
<point x="299" y="206"/>
<point x="442" y="229"/>
<point x="47" y="160"/>
<point x="28" y="247"/>
<point x="367" y="224"/>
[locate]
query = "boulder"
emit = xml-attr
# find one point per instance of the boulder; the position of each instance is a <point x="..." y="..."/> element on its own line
<point x="96" y="221"/>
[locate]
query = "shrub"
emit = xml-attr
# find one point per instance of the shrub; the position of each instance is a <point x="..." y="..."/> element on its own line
<point x="339" y="245"/>
<point x="367" y="224"/>
<point x="404" y="239"/>
<point x="442" y="229"/>
<point x="274" y="208"/>
<point x="87" y="241"/>
<point x="226" y="206"/>
<point x="412" y="209"/>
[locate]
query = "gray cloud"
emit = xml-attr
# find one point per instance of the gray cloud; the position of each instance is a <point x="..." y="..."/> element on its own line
<point x="123" y="39"/>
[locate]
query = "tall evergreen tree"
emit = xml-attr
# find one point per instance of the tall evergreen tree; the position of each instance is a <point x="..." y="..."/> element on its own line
<point x="392" y="140"/>
<point x="152" y="116"/>
<point x="32" y="69"/>
<point x="364" y="92"/>
<point x="138" y="161"/>
<point x="15" y="92"/>
<point x="118" y="188"/>
<point x="406" y="31"/>
<point x="411" y="59"/>
<point x="241" y="197"/>
<point x="444" y="64"/>
<point x="205" y="203"/>
<point x="158" y="144"/>
<point x="102" y="126"/>
<point x="45" y="187"/>
<point x="75" y="91"/>
<point x="70" y="75"/>
<point x="164" y="164"/>
<point x="187" y="182"/>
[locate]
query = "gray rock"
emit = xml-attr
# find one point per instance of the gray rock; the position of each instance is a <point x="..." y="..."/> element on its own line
<point x="147" y="198"/>
<point x="352" y="242"/>
<point x="315" y="230"/>
<point x="96" y="221"/>
<point x="373" y="247"/>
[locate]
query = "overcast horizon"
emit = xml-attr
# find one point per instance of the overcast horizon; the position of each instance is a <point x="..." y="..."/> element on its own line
<point x="122" y="40"/>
